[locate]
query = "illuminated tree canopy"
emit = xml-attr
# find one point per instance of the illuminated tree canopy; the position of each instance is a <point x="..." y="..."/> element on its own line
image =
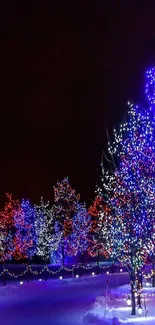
<point x="129" y="191"/>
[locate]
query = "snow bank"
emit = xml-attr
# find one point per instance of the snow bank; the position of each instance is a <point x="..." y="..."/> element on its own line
<point x="100" y="314"/>
<point x="91" y="319"/>
<point x="116" y="310"/>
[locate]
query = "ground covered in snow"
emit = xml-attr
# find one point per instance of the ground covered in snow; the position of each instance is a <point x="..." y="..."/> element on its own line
<point x="77" y="301"/>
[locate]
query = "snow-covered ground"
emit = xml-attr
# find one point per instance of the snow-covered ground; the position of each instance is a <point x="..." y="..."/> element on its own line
<point x="77" y="301"/>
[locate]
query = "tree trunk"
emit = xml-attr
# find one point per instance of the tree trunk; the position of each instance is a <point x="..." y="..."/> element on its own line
<point x="63" y="256"/>
<point x="82" y="259"/>
<point x="140" y="278"/>
<point x="112" y="268"/>
<point x="139" y="287"/>
<point x="132" y="281"/>
<point x="46" y="270"/>
<point x="133" y="312"/>
<point x="4" y="277"/>
<point x="98" y="262"/>
<point x="28" y="272"/>
<point x="153" y="270"/>
<point x="138" y="299"/>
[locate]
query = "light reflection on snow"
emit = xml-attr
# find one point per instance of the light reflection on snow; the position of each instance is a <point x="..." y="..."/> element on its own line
<point x="148" y="288"/>
<point x="138" y="319"/>
<point x="123" y="308"/>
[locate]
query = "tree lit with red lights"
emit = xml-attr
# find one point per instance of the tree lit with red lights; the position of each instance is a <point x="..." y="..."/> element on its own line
<point x="96" y="246"/>
<point x="8" y="230"/>
<point x="65" y="200"/>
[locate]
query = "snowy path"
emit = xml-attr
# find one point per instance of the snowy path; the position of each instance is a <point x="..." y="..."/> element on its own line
<point x="54" y="302"/>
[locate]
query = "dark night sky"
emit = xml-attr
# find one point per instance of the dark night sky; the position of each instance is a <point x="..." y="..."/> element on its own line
<point x="66" y="74"/>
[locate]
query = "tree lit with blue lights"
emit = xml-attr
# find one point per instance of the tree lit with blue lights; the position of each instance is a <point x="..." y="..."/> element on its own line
<point x="129" y="190"/>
